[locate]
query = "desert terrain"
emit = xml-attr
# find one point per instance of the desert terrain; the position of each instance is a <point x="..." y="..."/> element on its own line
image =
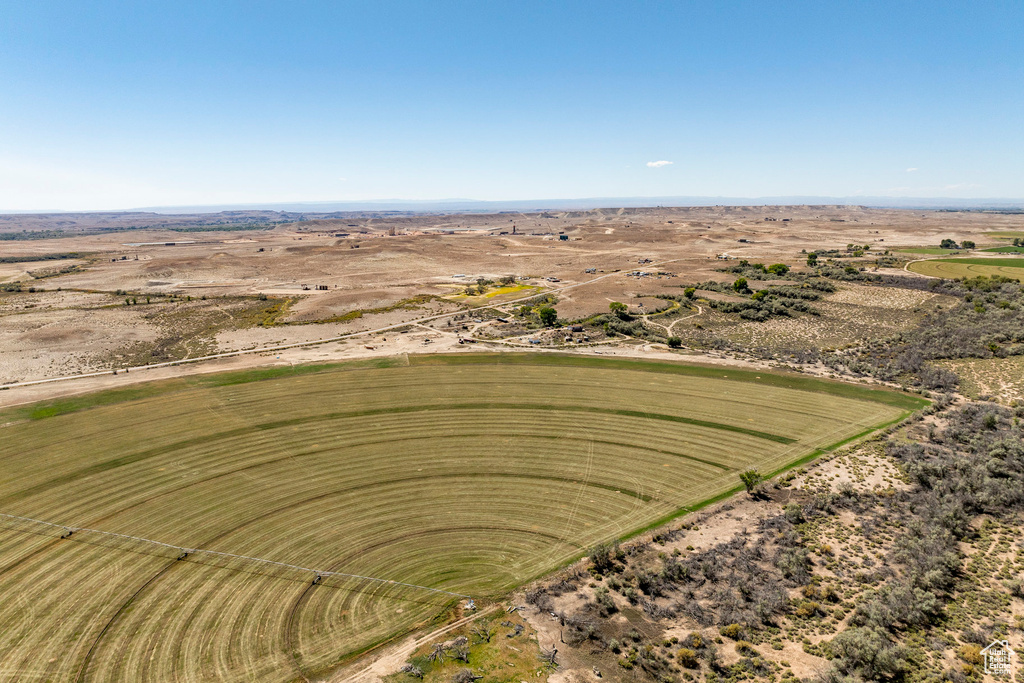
<point x="101" y="297"/>
<point x="590" y="391"/>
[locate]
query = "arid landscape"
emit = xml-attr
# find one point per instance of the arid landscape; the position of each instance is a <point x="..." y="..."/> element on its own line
<point x="296" y="449"/>
<point x="129" y="298"/>
<point x="492" y="342"/>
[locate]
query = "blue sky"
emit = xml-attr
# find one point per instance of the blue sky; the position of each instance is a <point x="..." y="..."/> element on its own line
<point x="108" y="105"/>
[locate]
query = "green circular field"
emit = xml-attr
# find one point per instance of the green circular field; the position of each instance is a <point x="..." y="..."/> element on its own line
<point x="467" y="473"/>
<point x="970" y="267"/>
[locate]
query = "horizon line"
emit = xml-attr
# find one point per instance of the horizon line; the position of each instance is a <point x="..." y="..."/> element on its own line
<point x="580" y="203"/>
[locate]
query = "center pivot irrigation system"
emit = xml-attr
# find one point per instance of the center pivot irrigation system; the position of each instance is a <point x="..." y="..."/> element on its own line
<point x="184" y="552"/>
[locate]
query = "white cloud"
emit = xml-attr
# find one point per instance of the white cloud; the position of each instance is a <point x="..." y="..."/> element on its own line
<point x="911" y="169"/>
<point x="658" y="164"/>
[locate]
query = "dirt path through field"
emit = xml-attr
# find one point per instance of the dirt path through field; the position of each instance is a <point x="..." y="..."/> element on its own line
<point x="393" y="657"/>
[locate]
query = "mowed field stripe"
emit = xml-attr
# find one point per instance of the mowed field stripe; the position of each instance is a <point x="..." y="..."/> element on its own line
<point x="313" y="419"/>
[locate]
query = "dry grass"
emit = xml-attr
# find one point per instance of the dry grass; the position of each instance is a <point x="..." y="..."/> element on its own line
<point x="985" y="377"/>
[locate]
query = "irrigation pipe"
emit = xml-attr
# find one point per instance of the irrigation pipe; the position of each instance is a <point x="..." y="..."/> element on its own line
<point x="184" y="552"/>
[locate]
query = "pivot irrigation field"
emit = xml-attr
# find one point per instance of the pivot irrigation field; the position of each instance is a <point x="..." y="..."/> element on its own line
<point x="970" y="267"/>
<point x="470" y="473"/>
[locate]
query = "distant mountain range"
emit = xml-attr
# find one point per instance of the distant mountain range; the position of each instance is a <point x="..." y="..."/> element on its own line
<point x="528" y="205"/>
<point x="478" y="206"/>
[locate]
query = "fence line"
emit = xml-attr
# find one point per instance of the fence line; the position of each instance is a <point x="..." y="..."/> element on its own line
<point x="184" y="552"/>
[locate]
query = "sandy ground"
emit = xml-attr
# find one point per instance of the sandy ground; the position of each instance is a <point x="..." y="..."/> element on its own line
<point x="367" y="268"/>
<point x="858" y="467"/>
<point x="384" y="344"/>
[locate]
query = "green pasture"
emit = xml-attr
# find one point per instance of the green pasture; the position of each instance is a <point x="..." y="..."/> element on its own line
<point x="1006" y="250"/>
<point x="969" y="267"/>
<point x="928" y="251"/>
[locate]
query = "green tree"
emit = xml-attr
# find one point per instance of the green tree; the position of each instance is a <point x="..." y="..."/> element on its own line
<point x="601" y="557"/>
<point x="812" y="259"/>
<point x="967" y="244"/>
<point x="751" y="480"/>
<point x="620" y="309"/>
<point x="778" y="268"/>
<point x="675" y="342"/>
<point x="741" y="285"/>
<point x="948" y="244"/>
<point x="548" y="316"/>
<point x="689" y="292"/>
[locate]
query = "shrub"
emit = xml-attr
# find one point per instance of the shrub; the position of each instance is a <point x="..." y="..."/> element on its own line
<point x="733" y="631"/>
<point x="687" y="658"/>
<point x="604" y="601"/>
<point x="809" y="608"/>
<point x="971" y="654"/>
<point x="869" y="653"/>
<point x="794" y="513"/>
<point x="603" y="556"/>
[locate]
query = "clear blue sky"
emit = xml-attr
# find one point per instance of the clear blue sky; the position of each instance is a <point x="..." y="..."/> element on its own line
<point x="124" y="104"/>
